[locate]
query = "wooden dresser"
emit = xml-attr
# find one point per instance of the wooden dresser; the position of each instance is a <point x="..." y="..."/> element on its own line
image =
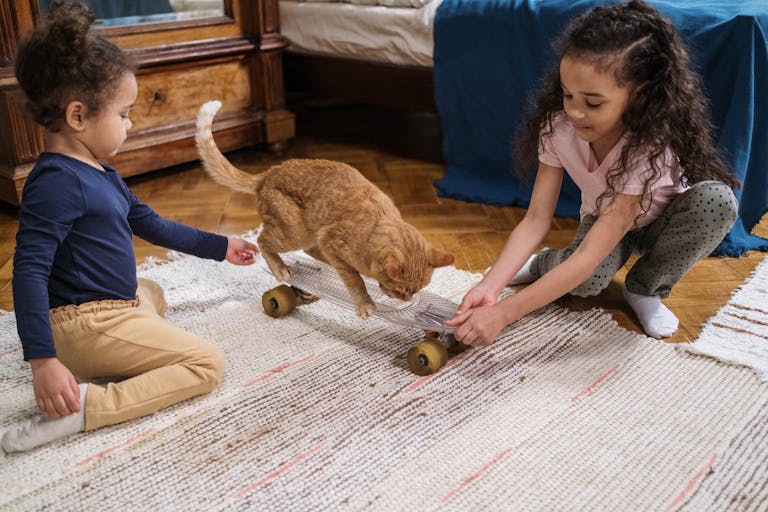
<point x="235" y="57"/>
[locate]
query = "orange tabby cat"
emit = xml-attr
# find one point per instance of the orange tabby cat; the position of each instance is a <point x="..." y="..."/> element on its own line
<point x="332" y="212"/>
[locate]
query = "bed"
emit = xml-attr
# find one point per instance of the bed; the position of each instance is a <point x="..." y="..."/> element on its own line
<point x="476" y="63"/>
<point x="361" y="52"/>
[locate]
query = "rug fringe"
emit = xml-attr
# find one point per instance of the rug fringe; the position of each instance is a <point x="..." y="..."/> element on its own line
<point x="738" y="333"/>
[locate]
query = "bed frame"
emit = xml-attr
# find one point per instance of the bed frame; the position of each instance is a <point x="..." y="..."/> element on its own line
<point x="380" y="84"/>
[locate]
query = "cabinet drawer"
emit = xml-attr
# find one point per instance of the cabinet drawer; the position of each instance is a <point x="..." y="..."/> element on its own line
<point x="172" y="95"/>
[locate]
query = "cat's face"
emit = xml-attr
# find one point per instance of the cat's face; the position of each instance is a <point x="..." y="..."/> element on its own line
<point x="405" y="271"/>
<point x="404" y="289"/>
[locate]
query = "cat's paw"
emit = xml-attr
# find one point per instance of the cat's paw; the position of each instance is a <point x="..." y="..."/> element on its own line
<point x="284" y="273"/>
<point x="366" y="309"/>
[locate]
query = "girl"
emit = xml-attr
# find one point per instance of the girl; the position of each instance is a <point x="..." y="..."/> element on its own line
<point x="624" y="115"/>
<point x="80" y="309"/>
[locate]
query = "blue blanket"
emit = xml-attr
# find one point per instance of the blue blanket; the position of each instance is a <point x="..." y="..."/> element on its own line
<point x="490" y="55"/>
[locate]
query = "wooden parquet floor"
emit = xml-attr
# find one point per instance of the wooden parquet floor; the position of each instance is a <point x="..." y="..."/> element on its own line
<point x="400" y="152"/>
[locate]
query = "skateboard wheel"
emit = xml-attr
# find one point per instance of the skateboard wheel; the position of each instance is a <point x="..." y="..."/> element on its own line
<point x="279" y="301"/>
<point x="427" y="357"/>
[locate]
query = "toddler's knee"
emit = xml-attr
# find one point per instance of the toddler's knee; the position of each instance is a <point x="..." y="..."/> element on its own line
<point x="151" y="287"/>
<point x="217" y="364"/>
<point x="153" y="292"/>
<point x="210" y="367"/>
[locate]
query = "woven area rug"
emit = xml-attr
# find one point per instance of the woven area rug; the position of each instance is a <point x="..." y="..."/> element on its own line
<point x="738" y="333"/>
<point x="317" y="411"/>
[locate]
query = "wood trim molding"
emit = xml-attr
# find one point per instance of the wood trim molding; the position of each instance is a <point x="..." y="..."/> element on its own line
<point x="268" y="74"/>
<point x="28" y="136"/>
<point x="261" y="22"/>
<point x="16" y="19"/>
<point x="145" y="28"/>
<point x="190" y="51"/>
<point x="8" y="33"/>
<point x="142" y="28"/>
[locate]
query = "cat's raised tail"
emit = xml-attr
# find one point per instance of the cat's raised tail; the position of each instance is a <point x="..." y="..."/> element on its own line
<point x="215" y="164"/>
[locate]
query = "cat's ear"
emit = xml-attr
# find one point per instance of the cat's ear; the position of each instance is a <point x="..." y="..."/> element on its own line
<point x="391" y="266"/>
<point x="441" y="258"/>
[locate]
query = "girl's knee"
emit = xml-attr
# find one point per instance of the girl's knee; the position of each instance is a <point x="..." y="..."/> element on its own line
<point x="728" y="202"/>
<point x="718" y="210"/>
<point x="716" y="199"/>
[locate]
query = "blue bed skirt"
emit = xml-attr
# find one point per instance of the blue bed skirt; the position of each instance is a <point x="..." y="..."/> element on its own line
<point x="490" y="55"/>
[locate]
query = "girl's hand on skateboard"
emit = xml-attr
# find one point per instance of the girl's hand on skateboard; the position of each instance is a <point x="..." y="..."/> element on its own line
<point x="475" y="298"/>
<point x="478" y="326"/>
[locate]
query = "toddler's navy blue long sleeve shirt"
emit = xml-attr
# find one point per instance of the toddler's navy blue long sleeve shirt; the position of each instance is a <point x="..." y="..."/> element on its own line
<point x="74" y="243"/>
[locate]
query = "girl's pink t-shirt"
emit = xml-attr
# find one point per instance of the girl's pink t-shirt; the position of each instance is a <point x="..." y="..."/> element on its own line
<point x="565" y="149"/>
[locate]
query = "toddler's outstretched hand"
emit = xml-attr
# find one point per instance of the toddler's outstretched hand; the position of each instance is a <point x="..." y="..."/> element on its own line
<point x="240" y="252"/>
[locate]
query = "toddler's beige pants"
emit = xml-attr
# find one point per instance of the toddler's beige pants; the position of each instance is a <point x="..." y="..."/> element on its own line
<point x="159" y="364"/>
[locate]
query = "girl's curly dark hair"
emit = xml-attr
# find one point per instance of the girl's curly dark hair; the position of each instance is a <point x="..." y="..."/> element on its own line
<point x="63" y="60"/>
<point x="667" y="108"/>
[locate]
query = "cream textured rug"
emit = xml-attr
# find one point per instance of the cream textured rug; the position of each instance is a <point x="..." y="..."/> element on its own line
<point x="317" y="411"/>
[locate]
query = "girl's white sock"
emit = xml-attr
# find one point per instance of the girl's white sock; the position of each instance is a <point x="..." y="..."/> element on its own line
<point x="524" y="275"/>
<point x="657" y="320"/>
<point x="43" y="429"/>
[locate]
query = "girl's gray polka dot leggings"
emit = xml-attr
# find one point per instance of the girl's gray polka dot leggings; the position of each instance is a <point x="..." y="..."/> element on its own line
<point x="693" y="224"/>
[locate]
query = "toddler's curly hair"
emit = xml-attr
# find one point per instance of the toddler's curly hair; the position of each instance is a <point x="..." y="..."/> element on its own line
<point x="64" y="60"/>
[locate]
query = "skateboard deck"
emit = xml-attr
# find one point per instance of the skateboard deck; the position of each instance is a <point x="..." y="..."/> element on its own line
<point x="426" y="311"/>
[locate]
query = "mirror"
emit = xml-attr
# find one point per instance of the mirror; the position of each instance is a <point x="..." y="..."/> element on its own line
<point x="117" y="12"/>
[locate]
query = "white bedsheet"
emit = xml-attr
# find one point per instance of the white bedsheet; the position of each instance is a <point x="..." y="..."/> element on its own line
<point x="396" y="35"/>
